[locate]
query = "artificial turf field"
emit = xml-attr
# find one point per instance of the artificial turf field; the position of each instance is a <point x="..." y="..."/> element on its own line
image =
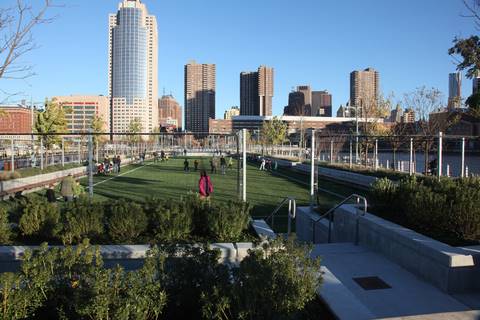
<point x="168" y="180"/>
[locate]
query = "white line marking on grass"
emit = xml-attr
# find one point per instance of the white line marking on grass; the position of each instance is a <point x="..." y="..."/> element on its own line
<point x="122" y="174"/>
<point x="308" y="184"/>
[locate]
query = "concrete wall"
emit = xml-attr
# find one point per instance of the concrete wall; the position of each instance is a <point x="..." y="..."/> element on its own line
<point x="451" y="269"/>
<point x="358" y="179"/>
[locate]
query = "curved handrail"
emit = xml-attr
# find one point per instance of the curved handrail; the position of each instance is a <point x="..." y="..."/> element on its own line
<point x="292" y="211"/>
<point x="332" y="211"/>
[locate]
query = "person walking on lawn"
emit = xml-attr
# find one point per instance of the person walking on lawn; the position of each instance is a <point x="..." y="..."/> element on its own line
<point x="223" y="164"/>
<point x="205" y="186"/>
<point x="186" y="165"/>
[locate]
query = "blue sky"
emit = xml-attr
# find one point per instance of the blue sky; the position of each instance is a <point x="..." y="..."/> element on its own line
<point x="316" y="42"/>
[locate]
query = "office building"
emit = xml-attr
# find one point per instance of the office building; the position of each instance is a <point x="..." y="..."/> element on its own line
<point x="80" y="110"/>
<point x="256" y="92"/>
<point x="408" y="116"/>
<point x="454" y="90"/>
<point x="297" y="105"/>
<point x="169" y="113"/>
<point x="321" y="104"/>
<point x="15" y="119"/>
<point x="364" y="89"/>
<point x="476" y="84"/>
<point x="232" y="112"/>
<point x="396" y="114"/>
<point x="133" y="65"/>
<point x="199" y="96"/>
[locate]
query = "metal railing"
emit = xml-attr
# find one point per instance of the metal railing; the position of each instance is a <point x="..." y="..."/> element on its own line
<point x="330" y="213"/>
<point x="292" y="211"/>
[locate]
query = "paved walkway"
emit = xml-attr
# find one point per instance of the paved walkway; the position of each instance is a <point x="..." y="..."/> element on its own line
<point x="407" y="298"/>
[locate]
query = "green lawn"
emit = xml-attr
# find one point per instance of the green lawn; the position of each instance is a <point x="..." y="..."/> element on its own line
<point x="168" y="180"/>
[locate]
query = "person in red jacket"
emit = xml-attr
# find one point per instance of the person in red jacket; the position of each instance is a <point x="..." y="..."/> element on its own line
<point x="205" y="185"/>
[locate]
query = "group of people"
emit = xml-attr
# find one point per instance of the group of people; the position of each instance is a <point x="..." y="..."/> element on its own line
<point x="69" y="189"/>
<point x="109" y="165"/>
<point x="268" y="165"/>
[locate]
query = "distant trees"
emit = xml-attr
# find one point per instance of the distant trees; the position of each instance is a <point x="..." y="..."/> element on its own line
<point x="50" y="122"/>
<point x="466" y="51"/>
<point x="424" y="101"/>
<point x="135" y="127"/>
<point x="273" y="132"/>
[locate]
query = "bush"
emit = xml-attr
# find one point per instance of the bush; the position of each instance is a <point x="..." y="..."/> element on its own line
<point x="5" y="232"/>
<point x="268" y="279"/>
<point x="226" y="222"/>
<point x="82" y="219"/>
<point x="40" y="219"/>
<point x="169" y="220"/>
<point x="126" y="221"/>
<point x="446" y="209"/>
<point x="72" y="284"/>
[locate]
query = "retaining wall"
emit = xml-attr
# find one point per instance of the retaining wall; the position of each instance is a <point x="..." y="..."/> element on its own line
<point x="451" y="269"/>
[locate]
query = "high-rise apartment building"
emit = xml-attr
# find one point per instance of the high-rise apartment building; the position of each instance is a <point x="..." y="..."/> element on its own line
<point x="256" y="92"/>
<point x="297" y="105"/>
<point x="476" y="84"/>
<point x="232" y="112"/>
<point x="364" y="88"/>
<point x="396" y="114"/>
<point x="199" y="96"/>
<point x="321" y="104"/>
<point x="15" y="119"/>
<point x="133" y="65"/>
<point x="454" y="90"/>
<point x="408" y="116"/>
<point x="81" y="110"/>
<point x="169" y="113"/>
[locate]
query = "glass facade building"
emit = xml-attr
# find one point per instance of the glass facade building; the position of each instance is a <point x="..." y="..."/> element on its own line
<point x="133" y="67"/>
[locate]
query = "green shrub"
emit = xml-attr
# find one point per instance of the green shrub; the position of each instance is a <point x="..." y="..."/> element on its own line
<point x="82" y="219"/>
<point x="445" y="209"/>
<point x="383" y="194"/>
<point x="226" y="222"/>
<point x="169" y="221"/>
<point x="5" y="232"/>
<point x="126" y="221"/>
<point x="197" y="208"/>
<point x="40" y="219"/>
<point x="268" y="279"/>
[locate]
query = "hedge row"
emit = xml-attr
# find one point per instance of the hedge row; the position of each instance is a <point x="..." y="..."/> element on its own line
<point x="121" y="221"/>
<point x="73" y="284"/>
<point x="447" y="209"/>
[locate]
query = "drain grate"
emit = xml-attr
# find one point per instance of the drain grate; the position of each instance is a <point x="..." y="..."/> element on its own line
<point x="372" y="283"/>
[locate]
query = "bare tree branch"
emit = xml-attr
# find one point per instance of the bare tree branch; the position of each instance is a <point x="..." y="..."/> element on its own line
<point x="16" y="39"/>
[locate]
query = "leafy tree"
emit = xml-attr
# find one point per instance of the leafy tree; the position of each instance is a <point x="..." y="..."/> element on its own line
<point x="5" y="232"/>
<point x="135" y="127"/>
<point x="273" y="132"/>
<point x="50" y="122"/>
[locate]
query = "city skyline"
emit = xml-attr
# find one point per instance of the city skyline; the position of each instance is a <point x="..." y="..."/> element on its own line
<point x="320" y="69"/>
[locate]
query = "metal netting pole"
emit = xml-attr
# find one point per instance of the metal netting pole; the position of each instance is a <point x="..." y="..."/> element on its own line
<point x="312" y="171"/>
<point x="90" y="165"/>
<point x="63" y="152"/>
<point x="12" y="155"/>
<point x="244" y="160"/>
<point x="411" y="170"/>
<point x="41" y="153"/>
<point x="440" y="153"/>
<point x="463" y="158"/>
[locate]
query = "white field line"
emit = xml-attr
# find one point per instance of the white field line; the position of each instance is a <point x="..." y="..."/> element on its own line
<point x="122" y="174"/>
<point x="308" y="184"/>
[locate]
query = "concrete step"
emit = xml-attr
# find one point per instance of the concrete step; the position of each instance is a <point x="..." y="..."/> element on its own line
<point x="361" y="284"/>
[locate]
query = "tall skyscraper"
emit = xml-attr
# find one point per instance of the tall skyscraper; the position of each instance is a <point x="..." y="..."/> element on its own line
<point x="199" y="96"/>
<point x="364" y="88"/>
<point x="321" y="104"/>
<point x="296" y="103"/>
<point x="476" y="84"/>
<point x="232" y="112"/>
<point x="169" y="113"/>
<point x="133" y="67"/>
<point x="256" y="92"/>
<point x="454" y="90"/>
